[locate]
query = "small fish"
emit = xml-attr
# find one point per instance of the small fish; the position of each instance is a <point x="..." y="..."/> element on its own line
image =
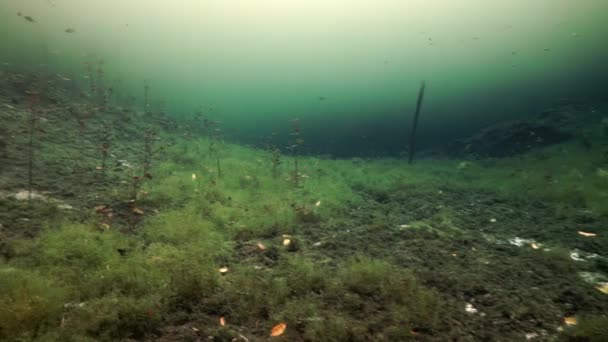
<point x="69" y="30"/>
<point x="322" y="98"/>
<point x="30" y="19"/>
<point x="19" y="14"/>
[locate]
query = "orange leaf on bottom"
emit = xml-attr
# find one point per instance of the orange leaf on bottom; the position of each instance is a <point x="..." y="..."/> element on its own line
<point x="278" y="329"/>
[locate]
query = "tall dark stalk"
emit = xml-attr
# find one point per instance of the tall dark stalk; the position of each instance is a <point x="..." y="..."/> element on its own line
<point x="215" y="139"/>
<point x="34" y="99"/>
<point x="101" y="89"/>
<point x="415" y="123"/>
<point x="297" y="143"/>
<point x="276" y="162"/>
<point x="105" y="142"/>
<point x="148" y="151"/>
<point x="146" y="97"/>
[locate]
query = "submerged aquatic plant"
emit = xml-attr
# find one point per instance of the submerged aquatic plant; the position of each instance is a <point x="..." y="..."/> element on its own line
<point x="146" y="97"/>
<point x="102" y="97"/>
<point x="275" y="154"/>
<point x="149" y="138"/>
<point x="105" y="142"/>
<point x="294" y="147"/>
<point x="89" y="75"/>
<point x="276" y="162"/>
<point x="34" y="111"/>
<point x="216" y="135"/>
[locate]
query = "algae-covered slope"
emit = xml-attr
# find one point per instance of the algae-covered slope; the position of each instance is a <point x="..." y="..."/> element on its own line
<point x="169" y="170"/>
<point x="156" y="229"/>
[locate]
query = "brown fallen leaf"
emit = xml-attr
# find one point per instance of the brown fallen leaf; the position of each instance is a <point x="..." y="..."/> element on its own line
<point x="278" y="329"/>
<point x="570" y="320"/>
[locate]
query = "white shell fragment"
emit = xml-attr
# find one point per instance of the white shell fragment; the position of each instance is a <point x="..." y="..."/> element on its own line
<point x="469" y="308"/>
<point x="517" y="241"/>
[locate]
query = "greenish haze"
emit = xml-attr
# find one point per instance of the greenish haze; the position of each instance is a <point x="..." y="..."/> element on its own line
<point x="142" y="198"/>
<point x="265" y="62"/>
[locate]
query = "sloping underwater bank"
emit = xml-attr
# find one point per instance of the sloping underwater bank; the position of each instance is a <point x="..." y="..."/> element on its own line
<point x="134" y="226"/>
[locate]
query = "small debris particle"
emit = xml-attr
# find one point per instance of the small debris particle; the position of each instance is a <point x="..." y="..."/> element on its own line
<point x="469" y="308"/>
<point x="576" y="257"/>
<point x="530" y="336"/>
<point x="603" y="288"/>
<point x="570" y="320"/>
<point x="278" y="329"/>
<point x="517" y="241"/>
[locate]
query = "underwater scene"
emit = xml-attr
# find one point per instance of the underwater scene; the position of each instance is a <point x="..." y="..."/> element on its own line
<point x="303" y="170"/>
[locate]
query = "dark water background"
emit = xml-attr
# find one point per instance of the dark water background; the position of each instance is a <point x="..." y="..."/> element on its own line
<point x="349" y="72"/>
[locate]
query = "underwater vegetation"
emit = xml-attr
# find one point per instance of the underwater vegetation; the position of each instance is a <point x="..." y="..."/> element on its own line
<point x="123" y="219"/>
<point x="163" y="230"/>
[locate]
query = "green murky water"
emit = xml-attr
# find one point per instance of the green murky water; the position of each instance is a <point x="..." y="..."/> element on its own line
<point x="231" y="170"/>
